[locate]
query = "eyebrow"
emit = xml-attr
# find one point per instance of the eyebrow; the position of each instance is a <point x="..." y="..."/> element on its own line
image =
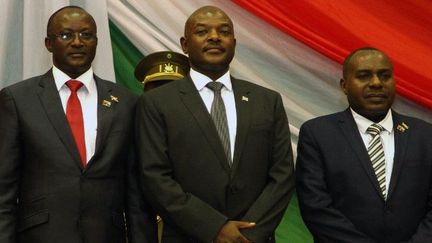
<point x="204" y="24"/>
<point x="379" y="70"/>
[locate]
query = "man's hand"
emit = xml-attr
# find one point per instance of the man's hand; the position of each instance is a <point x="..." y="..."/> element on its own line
<point x="230" y="232"/>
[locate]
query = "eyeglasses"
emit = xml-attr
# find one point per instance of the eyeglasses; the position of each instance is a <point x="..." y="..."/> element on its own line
<point x="68" y="36"/>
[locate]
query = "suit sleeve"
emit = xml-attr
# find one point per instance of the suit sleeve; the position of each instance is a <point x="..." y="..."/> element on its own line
<point x="192" y="215"/>
<point x="326" y="223"/>
<point x="268" y="209"/>
<point x="141" y="218"/>
<point x="10" y="151"/>
<point x="424" y="229"/>
<point x="424" y="232"/>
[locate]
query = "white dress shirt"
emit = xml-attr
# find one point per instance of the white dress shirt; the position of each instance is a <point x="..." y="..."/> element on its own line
<point x="207" y="95"/>
<point x="87" y="95"/>
<point x="387" y="139"/>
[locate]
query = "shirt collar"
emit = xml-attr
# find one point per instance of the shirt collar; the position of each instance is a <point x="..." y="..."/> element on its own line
<point x="200" y="80"/>
<point x="86" y="78"/>
<point x="363" y="123"/>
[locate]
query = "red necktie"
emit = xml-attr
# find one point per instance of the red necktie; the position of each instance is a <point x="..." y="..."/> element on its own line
<point x="75" y="118"/>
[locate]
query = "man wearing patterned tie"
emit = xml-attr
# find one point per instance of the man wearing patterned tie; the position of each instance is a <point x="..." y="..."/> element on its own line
<point x="66" y="170"/>
<point x="364" y="175"/>
<point x="215" y="151"/>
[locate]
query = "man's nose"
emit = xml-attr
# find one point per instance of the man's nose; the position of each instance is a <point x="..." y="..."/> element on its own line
<point x="213" y="35"/>
<point x="76" y="40"/>
<point x="375" y="81"/>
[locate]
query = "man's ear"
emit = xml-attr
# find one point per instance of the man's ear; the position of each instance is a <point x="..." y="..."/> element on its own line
<point x="343" y="84"/>
<point x="48" y="44"/>
<point x="183" y="44"/>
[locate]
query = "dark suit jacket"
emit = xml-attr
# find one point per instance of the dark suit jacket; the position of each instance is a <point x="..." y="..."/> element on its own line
<point x="187" y="175"/>
<point x="46" y="194"/>
<point x="339" y="197"/>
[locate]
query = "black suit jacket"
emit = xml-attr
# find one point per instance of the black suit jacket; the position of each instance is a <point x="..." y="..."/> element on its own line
<point x="46" y="194"/>
<point x="186" y="173"/>
<point x="339" y="196"/>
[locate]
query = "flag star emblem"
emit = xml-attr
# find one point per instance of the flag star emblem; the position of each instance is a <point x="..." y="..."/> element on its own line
<point x="106" y="103"/>
<point x="114" y="98"/>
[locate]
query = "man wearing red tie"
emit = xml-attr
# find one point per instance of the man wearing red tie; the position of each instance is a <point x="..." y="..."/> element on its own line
<point x="66" y="172"/>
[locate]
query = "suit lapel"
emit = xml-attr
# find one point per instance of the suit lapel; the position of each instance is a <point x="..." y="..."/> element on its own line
<point x="105" y="113"/>
<point x="350" y="131"/>
<point x="401" y="144"/>
<point x="243" y="108"/>
<point x="51" y="102"/>
<point x="193" y="102"/>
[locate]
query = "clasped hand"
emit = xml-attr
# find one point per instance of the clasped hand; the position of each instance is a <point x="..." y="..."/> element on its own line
<point x="230" y="232"/>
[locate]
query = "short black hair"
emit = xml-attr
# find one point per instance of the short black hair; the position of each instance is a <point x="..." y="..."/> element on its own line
<point x="348" y="58"/>
<point x="208" y="8"/>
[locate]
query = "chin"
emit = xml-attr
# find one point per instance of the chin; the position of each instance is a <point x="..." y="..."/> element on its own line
<point x="216" y="67"/>
<point x="376" y="114"/>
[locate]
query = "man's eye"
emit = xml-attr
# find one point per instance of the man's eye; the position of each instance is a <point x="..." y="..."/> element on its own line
<point x="385" y="76"/>
<point x="66" y="36"/>
<point x="224" y="32"/>
<point x="201" y="32"/>
<point x="86" y="35"/>
<point x="363" y="76"/>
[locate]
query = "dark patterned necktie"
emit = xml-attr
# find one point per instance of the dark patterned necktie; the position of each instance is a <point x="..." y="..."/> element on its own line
<point x="219" y="117"/>
<point x="74" y="116"/>
<point x="376" y="154"/>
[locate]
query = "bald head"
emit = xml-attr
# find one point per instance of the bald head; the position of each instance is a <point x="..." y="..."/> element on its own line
<point x="205" y="12"/>
<point x="347" y="61"/>
<point x="72" y="11"/>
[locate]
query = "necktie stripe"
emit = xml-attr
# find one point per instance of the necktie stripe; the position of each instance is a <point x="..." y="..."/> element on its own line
<point x="219" y="117"/>
<point x="374" y="153"/>
<point x="377" y="157"/>
<point x="374" y="143"/>
<point x="380" y="175"/>
<point x="378" y="168"/>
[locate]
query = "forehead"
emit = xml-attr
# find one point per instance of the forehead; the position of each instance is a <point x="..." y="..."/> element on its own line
<point x="209" y="17"/>
<point x="73" y="17"/>
<point x="370" y="60"/>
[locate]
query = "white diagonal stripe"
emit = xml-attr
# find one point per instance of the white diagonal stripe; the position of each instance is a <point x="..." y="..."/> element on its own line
<point x="376" y="155"/>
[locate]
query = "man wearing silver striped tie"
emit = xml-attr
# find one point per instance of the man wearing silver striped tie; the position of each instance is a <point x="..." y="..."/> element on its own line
<point x="364" y="174"/>
<point x="214" y="150"/>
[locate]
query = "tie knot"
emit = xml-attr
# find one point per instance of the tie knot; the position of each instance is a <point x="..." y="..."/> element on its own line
<point x="74" y="85"/>
<point x="375" y="129"/>
<point x="215" y="86"/>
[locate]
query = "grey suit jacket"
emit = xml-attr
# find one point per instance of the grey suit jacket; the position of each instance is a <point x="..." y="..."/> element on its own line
<point x="338" y="192"/>
<point x="46" y="194"/>
<point x="186" y="173"/>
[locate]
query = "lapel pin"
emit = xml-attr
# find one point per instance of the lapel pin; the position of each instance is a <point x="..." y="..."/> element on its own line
<point x="402" y="127"/>
<point x="244" y="98"/>
<point x="106" y="103"/>
<point x="114" y="98"/>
